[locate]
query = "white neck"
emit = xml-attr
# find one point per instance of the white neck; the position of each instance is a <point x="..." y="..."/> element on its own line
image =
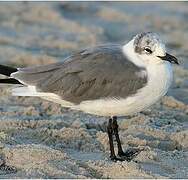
<point x="128" y="50"/>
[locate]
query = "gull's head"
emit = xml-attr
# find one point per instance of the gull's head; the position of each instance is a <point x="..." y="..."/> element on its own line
<point x="150" y="49"/>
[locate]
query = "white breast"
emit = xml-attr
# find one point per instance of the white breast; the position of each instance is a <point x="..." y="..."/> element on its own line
<point x="159" y="80"/>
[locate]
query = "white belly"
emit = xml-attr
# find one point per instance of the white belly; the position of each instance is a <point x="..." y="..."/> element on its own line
<point x="159" y="80"/>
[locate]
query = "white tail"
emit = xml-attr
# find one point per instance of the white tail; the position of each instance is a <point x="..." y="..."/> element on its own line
<point x="31" y="91"/>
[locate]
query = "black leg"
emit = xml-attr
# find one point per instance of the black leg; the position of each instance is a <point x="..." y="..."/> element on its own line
<point x="110" y="136"/>
<point x="130" y="153"/>
<point x="116" y="133"/>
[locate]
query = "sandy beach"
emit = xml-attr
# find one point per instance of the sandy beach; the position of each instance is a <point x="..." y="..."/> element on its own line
<point x="39" y="139"/>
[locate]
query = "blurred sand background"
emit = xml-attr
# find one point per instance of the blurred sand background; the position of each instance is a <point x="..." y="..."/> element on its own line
<point x="39" y="139"/>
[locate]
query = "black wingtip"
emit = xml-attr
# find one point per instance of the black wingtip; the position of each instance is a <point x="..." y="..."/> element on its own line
<point x="6" y="70"/>
<point x="9" y="81"/>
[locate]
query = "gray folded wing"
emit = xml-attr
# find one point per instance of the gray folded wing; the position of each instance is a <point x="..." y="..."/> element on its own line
<point x="100" y="72"/>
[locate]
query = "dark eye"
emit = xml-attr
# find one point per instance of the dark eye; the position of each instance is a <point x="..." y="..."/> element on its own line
<point x="147" y="50"/>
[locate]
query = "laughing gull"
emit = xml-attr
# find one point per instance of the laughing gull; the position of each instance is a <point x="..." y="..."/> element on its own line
<point x="107" y="80"/>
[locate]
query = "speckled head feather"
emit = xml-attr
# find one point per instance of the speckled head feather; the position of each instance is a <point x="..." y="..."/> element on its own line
<point x="147" y="39"/>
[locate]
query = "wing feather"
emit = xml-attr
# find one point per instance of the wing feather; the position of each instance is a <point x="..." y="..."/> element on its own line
<point x="93" y="73"/>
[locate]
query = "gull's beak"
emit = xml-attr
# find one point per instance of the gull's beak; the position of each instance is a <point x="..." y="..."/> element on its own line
<point x="169" y="58"/>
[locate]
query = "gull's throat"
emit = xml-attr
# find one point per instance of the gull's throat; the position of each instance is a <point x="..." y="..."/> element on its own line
<point x="129" y="52"/>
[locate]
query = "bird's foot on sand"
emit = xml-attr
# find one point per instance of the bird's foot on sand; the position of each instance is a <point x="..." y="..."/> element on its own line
<point x="115" y="159"/>
<point x="129" y="154"/>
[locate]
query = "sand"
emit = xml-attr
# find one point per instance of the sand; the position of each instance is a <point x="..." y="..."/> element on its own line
<point x="39" y="139"/>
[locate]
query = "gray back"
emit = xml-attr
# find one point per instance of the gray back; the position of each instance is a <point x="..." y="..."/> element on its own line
<point x="100" y="72"/>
